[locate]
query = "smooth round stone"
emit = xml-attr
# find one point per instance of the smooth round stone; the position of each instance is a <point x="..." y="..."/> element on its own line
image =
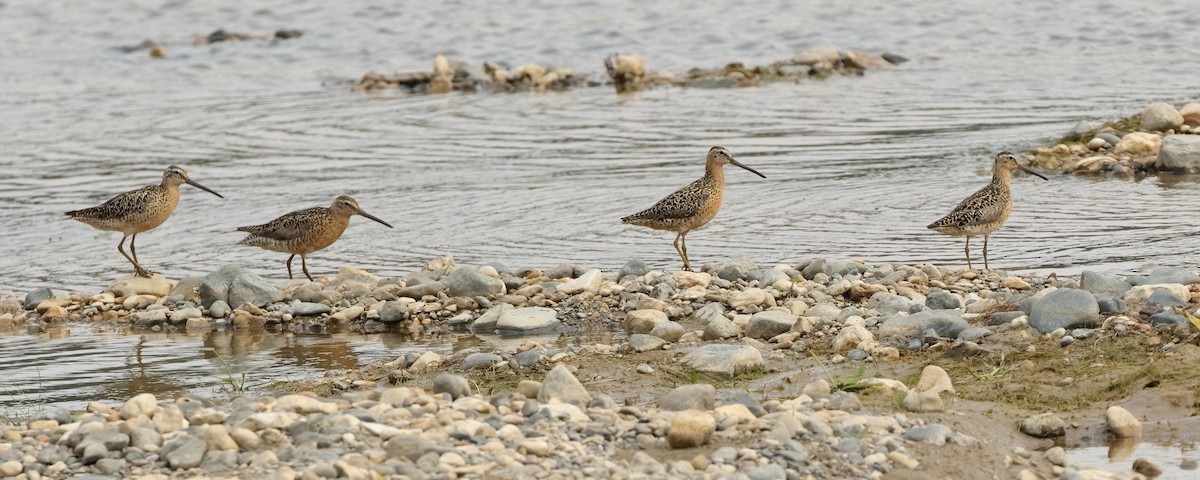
<point x="857" y="355"/>
<point x="482" y="360"/>
<point x="308" y="309"/>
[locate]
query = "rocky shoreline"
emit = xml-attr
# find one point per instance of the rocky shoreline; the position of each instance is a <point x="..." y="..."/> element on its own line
<point x="627" y="73"/>
<point x="736" y="371"/>
<point x="1159" y="139"/>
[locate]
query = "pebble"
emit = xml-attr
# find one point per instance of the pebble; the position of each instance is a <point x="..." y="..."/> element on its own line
<point x="11" y="468"/>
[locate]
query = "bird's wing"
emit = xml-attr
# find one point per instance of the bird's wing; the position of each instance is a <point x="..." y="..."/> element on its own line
<point x="133" y="201"/>
<point x="288" y="226"/>
<point x="683" y="203"/>
<point x="982" y="207"/>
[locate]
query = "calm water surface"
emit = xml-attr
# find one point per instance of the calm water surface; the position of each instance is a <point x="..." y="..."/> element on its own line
<point x="856" y="166"/>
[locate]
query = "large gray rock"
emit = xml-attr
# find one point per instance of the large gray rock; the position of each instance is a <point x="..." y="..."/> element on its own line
<point x="307" y="309"/>
<point x="481" y="360"/>
<point x="1104" y="285"/>
<point x="468" y="282"/>
<point x="724" y="360"/>
<point x="765" y="325"/>
<point x="526" y="320"/>
<point x="1161" y="275"/>
<point x="640" y="342"/>
<point x="1164" y="298"/>
<point x="832" y="268"/>
<point x="889" y="303"/>
<point x="1044" y="425"/>
<point x="236" y="286"/>
<point x="947" y="324"/>
<point x="720" y="327"/>
<point x="1064" y="308"/>
<point x="184" y="452"/>
<point x="36" y="296"/>
<point x="393" y="312"/>
<point x="1180" y="153"/>
<point x="634" y="268"/>
<point x="668" y="330"/>
<point x="1160" y="117"/>
<point x="740" y="268"/>
<point x="696" y="396"/>
<point x="562" y="385"/>
<point x="487" y="321"/>
<point x="411" y="447"/>
<point x="939" y="299"/>
<point x="455" y="385"/>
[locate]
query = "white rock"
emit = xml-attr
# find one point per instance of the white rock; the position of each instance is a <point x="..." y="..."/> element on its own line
<point x="527" y="319"/>
<point x="723" y="359"/>
<point x="934" y="379"/>
<point x="1138" y="143"/>
<point x="156" y="285"/>
<point x="850" y="336"/>
<point x="588" y="282"/>
<point x="143" y="404"/>
<point x="643" y="321"/>
<point x="1138" y="295"/>
<point x="1161" y="117"/>
<point x="265" y="420"/>
<point x="1122" y="423"/>
<point x="751" y="296"/>
<point x="303" y="404"/>
<point x="923" y="401"/>
<point x="691" y="428"/>
<point x="685" y="280"/>
<point x="425" y="362"/>
<point x="11" y="468"/>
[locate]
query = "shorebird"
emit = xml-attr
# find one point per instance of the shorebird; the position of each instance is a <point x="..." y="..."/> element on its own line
<point x="692" y="206"/>
<point x="139" y="210"/>
<point x="305" y="231"/>
<point x="986" y="210"/>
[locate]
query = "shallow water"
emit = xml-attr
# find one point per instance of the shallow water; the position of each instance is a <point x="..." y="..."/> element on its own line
<point x="856" y="166"/>
<point x="1119" y="459"/>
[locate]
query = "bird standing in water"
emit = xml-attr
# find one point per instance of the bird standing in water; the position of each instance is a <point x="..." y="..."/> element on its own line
<point x="305" y="231"/>
<point x="986" y="210"/>
<point x="692" y="206"/>
<point x="137" y="211"/>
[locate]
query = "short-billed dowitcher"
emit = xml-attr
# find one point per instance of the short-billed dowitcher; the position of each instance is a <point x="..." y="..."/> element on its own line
<point x="305" y="231"/>
<point x="139" y="210"/>
<point x="986" y="210"/>
<point x="692" y="206"/>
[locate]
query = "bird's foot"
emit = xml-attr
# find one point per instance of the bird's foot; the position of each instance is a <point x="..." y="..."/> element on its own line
<point x="141" y="272"/>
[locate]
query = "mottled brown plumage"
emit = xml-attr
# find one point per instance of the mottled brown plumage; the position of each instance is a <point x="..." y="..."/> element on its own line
<point x="137" y="211"/>
<point x="305" y="231"/>
<point x="692" y="206"/>
<point x="985" y="210"/>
